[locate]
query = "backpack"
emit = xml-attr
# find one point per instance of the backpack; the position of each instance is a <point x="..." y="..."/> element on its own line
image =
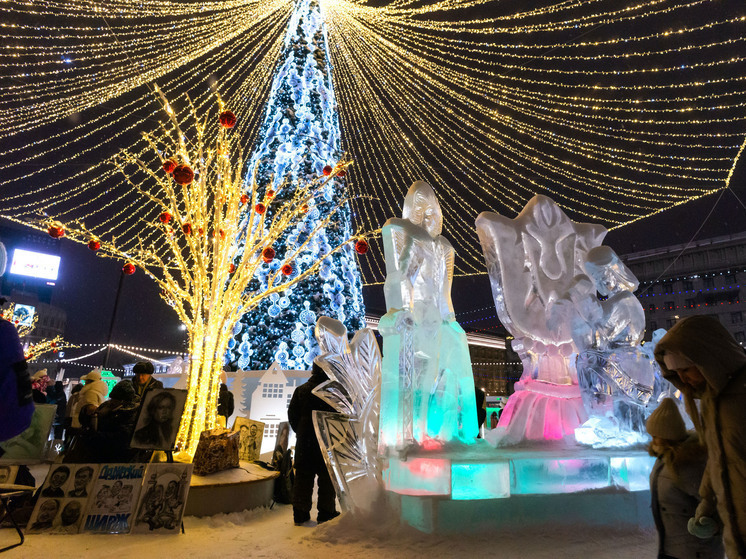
<point x="284" y="483"/>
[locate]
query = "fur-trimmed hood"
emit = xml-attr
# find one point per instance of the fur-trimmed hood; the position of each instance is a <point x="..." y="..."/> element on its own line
<point x="707" y="344"/>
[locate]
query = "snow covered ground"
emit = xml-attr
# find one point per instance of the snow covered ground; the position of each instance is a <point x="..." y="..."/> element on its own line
<point x="271" y="533"/>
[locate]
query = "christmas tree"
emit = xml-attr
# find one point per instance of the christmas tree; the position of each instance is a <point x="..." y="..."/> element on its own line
<point x="300" y="140"/>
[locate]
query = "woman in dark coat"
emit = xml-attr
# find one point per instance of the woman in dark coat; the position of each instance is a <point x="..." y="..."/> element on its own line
<point x="309" y="462"/>
<point x="702" y="359"/>
<point x="674" y="486"/>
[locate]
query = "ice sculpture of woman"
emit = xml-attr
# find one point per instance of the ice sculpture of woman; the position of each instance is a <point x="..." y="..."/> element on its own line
<point x="427" y="387"/>
<point x="534" y="261"/>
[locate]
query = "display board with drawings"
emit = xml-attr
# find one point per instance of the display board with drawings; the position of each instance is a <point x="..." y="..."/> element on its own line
<point x="251" y="434"/>
<point x="63" y="498"/>
<point x="163" y="498"/>
<point x="114" y="498"/>
<point x="158" y="422"/>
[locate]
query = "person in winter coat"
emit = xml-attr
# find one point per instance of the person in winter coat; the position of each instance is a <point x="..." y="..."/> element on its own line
<point x="309" y="463"/>
<point x="39" y="383"/>
<point x="72" y="404"/>
<point x="91" y="397"/>
<point x="700" y="357"/>
<point x="110" y="440"/>
<point x="674" y="485"/>
<point x="225" y="401"/>
<point x="57" y="397"/>
<point x="16" y="402"/>
<point x="143" y="379"/>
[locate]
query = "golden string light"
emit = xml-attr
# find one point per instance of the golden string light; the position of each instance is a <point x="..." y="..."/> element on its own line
<point x="204" y="236"/>
<point x="616" y="110"/>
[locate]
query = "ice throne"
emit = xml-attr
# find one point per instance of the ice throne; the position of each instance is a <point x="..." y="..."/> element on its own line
<point x="533" y="261"/>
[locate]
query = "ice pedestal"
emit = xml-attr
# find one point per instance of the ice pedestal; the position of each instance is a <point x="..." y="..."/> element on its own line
<point x="429" y="485"/>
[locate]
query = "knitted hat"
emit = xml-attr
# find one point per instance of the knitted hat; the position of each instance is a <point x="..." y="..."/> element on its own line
<point x="666" y="422"/>
<point x="123" y="390"/>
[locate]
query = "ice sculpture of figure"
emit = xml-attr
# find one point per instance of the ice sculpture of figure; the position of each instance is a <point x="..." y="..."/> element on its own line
<point x="533" y="261"/>
<point x="349" y="438"/>
<point x="616" y="377"/>
<point x="427" y="390"/>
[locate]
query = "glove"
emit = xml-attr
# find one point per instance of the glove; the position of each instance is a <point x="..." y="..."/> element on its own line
<point x="703" y="527"/>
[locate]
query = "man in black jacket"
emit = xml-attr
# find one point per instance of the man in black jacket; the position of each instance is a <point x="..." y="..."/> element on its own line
<point x="309" y="462"/>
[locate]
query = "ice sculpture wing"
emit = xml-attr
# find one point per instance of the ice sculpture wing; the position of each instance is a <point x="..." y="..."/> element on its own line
<point x="349" y="438"/>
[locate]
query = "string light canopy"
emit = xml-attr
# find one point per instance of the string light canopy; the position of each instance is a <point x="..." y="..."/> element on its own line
<point x="616" y="110"/>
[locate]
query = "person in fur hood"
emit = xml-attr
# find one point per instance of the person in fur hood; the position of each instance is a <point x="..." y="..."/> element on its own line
<point x="91" y="397"/>
<point x="674" y="485"/>
<point x="700" y="357"/>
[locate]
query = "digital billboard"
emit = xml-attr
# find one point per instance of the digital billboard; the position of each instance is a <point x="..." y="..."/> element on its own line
<point x="34" y="264"/>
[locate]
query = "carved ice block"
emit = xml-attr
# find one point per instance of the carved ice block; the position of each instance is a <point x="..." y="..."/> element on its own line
<point x="533" y="261"/>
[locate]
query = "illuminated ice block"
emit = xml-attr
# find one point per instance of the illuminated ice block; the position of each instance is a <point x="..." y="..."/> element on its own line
<point x="617" y="378"/>
<point x="476" y="481"/>
<point x="533" y="261"/>
<point x="427" y="391"/>
<point x="349" y="438"/>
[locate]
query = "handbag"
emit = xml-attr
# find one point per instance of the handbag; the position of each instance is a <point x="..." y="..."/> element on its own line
<point x="217" y="450"/>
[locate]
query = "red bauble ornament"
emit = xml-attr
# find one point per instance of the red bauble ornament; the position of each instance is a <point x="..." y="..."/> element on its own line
<point x="94" y="244"/>
<point x="56" y="230"/>
<point x="232" y="268"/>
<point x="244" y="198"/>
<point x="165" y="217"/>
<point x="270" y="194"/>
<point x="304" y="208"/>
<point x="128" y="269"/>
<point x="327" y="170"/>
<point x="341" y="173"/>
<point x="268" y="254"/>
<point x="169" y="165"/>
<point x="287" y="269"/>
<point x="53" y="344"/>
<point x="227" y="119"/>
<point x="183" y="174"/>
<point x="201" y="231"/>
<point x="187" y="228"/>
<point x="260" y="208"/>
<point x="361" y="246"/>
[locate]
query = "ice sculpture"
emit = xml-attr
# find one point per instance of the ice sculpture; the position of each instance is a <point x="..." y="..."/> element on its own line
<point x="533" y="261"/>
<point x="427" y="391"/>
<point x="616" y="377"/>
<point x="349" y="438"/>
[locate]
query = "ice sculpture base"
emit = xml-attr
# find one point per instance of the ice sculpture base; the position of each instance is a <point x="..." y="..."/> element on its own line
<point x="477" y="487"/>
<point x="540" y="411"/>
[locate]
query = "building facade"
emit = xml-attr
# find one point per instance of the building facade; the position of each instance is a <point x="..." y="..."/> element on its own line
<point x="703" y="277"/>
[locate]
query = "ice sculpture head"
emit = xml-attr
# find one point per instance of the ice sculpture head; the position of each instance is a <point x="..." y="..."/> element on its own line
<point x="421" y="207"/>
<point x="608" y="272"/>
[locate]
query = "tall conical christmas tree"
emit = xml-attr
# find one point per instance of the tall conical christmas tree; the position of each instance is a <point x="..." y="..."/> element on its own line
<point x="300" y="137"/>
